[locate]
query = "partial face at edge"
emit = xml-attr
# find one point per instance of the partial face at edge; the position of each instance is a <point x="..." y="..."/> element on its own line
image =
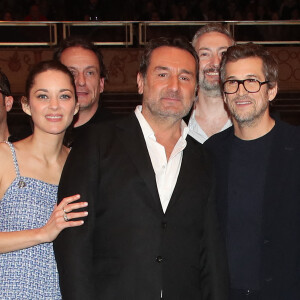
<point x="211" y="48"/>
<point x="84" y="66"/>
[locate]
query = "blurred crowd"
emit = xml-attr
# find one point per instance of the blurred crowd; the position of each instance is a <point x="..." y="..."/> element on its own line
<point x="151" y="10"/>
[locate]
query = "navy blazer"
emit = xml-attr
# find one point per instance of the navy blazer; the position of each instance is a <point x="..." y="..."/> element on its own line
<point x="128" y="248"/>
<point x="280" y="270"/>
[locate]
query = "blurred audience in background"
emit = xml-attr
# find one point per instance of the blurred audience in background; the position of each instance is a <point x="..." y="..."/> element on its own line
<point x="151" y="10"/>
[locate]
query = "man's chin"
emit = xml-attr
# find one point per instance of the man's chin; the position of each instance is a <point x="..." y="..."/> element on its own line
<point x="210" y="85"/>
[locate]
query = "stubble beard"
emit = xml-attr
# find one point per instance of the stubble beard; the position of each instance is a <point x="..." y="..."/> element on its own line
<point x="249" y="118"/>
<point x="162" y="113"/>
<point x="211" y="89"/>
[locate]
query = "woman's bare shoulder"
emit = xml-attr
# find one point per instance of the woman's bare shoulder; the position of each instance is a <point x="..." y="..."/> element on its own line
<point x="5" y="152"/>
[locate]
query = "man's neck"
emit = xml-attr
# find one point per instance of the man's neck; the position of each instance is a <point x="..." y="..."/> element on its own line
<point x="211" y="113"/>
<point x="167" y="131"/>
<point x="85" y="115"/>
<point x="254" y="130"/>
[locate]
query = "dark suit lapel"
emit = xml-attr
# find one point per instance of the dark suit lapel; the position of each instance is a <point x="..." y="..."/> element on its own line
<point x="221" y="162"/>
<point x="189" y="156"/>
<point x="280" y="158"/>
<point x="133" y="142"/>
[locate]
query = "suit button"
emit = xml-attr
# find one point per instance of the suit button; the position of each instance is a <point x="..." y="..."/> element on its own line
<point x="159" y="259"/>
<point x="163" y="225"/>
<point x="266" y="241"/>
<point x="269" y="279"/>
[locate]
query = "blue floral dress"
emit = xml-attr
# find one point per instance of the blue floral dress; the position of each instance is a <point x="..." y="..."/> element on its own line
<point x="29" y="273"/>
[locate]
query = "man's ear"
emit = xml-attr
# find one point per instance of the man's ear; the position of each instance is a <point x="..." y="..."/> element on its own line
<point x="140" y="83"/>
<point x="272" y="92"/>
<point x="101" y="83"/>
<point x="76" y="108"/>
<point x="9" y="101"/>
<point x="25" y="106"/>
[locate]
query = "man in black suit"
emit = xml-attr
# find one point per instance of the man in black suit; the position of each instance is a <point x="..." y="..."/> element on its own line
<point x="258" y="175"/>
<point x="152" y="231"/>
<point x="85" y="61"/>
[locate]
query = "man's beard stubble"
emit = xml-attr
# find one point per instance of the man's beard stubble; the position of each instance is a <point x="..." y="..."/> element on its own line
<point x="212" y="89"/>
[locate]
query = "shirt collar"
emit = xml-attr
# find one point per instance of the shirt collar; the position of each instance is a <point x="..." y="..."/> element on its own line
<point x="148" y="131"/>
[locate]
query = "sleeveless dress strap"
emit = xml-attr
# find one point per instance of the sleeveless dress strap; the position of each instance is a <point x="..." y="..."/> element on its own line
<point x="13" y="152"/>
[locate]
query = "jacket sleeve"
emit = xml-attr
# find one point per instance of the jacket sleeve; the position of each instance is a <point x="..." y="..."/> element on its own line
<point x="74" y="246"/>
<point x="217" y="274"/>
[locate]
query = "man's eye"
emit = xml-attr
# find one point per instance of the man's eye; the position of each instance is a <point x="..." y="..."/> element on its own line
<point x="162" y="75"/>
<point x="203" y="54"/>
<point x="223" y="53"/>
<point x="185" y="78"/>
<point x="231" y="82"/>
<point x="73" y="72"/>
<point x="90" y="73"/>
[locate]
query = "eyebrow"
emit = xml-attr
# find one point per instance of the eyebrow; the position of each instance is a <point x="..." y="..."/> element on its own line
<point x="162" y="68"/>
<point x="88" y="67"/>
<point x="209" y="49"/>
<point x="41" y="90"/>
<point x="65" y="90"/>
<point x="247" y="76"/>
<point x="46" y="91"/>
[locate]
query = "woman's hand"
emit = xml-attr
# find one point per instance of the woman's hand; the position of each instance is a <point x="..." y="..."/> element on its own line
<point x="62" y="217"/>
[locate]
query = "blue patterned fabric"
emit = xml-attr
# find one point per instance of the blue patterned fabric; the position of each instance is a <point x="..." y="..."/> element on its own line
<point x="29" y="273"/>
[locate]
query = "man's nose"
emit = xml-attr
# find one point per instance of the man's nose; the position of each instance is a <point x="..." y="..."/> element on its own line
<point x="80" y="79"/>
<point x="173" y="83"/>
<point x="216" y="60"/>
<point x="241" y="89"/>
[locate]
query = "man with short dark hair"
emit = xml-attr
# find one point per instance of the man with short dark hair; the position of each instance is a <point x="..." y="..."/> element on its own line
<point x="152" y="231"/>
<point x="6" y="103"/>
<point x="257" y="164"/>
<point x="85" y="62"/>
<point x="210" y="115"/>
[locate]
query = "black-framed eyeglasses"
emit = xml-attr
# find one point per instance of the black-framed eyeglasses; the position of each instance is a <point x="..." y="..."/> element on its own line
<point x="231" y="86"/>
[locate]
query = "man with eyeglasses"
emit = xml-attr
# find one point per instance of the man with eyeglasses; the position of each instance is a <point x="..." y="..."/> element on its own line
<point x="257" y="164"/>
<point x="6" y="103"/>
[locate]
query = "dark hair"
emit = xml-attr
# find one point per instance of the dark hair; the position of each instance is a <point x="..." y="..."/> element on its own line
<point x="85" y="44"/>
<point x="44" y="66"/>
<point x="212" y="27"/>
<point x="179" y="43"/>
<point x="4" y="85"/>
<point x="270" y="65"/>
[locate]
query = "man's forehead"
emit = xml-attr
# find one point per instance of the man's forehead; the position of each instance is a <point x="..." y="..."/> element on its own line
<point x="76" y="55"/>
<point x="245" y="68"/>
<point x="213" y="40"/>
<point x="167" y="56"/>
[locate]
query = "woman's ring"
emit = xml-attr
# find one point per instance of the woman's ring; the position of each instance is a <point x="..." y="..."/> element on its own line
<point x="65" y="217"/>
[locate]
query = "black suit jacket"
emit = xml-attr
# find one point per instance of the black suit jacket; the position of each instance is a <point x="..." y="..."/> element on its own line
<point x="128" y="248"/>
<point x="280" y="270"/>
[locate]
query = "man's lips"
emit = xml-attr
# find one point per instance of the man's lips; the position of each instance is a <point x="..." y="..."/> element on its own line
<point x="212" y="74"/>
<point x="243" y="102"/>
<point x="170" y="99"/>
<point x="81" y="93"/>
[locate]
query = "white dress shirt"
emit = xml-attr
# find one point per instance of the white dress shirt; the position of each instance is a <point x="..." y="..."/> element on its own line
<point x="197" y="132"/>
<point x="166" y="171"/>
